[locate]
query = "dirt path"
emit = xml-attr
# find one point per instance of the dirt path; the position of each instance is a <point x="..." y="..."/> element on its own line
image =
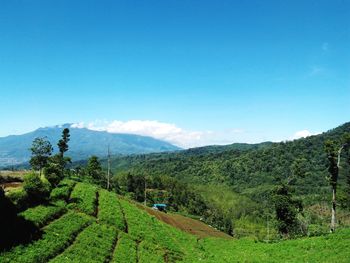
<point x="186" y="224"/>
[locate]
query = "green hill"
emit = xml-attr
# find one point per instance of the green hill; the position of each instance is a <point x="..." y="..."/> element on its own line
<point x="83" y="223"/>
<point x="247" y="169"/>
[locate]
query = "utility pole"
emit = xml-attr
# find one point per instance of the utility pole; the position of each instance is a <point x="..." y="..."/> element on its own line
<point x="108" y="167"/>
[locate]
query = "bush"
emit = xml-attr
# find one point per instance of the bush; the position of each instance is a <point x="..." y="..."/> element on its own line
<point x="18" y="197"/>
<point x="63" y="190"/>
<point x="37" y="189"/>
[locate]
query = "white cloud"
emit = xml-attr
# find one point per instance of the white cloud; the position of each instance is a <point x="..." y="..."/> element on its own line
<point x="303" y="134"/>
<point x="163" y="131"/>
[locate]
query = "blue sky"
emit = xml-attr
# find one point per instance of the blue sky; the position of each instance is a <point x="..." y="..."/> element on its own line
<point x="196" y="72"/>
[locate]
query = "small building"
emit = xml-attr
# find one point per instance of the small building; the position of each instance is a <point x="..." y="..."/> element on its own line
<point x="160" y="207"/>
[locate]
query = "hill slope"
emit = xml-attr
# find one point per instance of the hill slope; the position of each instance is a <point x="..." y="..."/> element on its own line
<point x="245" y="168"/>
<point x="84" y="143"/>
<point x="99" y="226"/>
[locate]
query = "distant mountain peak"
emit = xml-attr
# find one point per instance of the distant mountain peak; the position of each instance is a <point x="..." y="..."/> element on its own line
<point x="83" y="143"/>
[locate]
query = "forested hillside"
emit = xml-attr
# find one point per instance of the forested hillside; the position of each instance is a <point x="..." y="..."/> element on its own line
<point x="245" y="168"/>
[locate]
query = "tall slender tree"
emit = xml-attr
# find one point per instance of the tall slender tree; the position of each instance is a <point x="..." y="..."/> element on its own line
<point x="334" y="152"/>
<point x="63" y="147"/>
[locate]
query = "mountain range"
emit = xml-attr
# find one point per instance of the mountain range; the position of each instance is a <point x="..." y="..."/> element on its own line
<point x="14" y="149"/>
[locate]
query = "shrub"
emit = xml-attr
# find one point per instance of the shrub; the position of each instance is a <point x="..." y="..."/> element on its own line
<point x="18" y="197"/>
<point x="36" y="188"/>
<point x="63" y="190"/>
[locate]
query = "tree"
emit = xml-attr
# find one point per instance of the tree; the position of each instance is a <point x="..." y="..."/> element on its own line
<point x="334" y="151"/>
<point x="333" y="170"/>
<point x="37" y="189"/>
<point x="52" y="170"/>
<point x="287" y="209"/>
<point x="41" y="151"/>
<point x="63" y="147"/>
<point x="94" y="169"/>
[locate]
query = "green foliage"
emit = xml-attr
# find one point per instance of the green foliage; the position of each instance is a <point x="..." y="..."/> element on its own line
<point x="63" y="143"/>
<point x="18" y="197"/>
<point x="41" y="215"/>
<point x="149" y="240"/>
<point x="110" y="210"/>
<point x="94" y="244"/>
<point x="13" y="228"/>
<point x="167" y="238"/>
<point x="331" y="150"/>
<point x="243" y="168"/>
<point x="57" y="236"/>
<point x="83" y="198"/>
<point x="287" y="209"/>
<point x="52" y="170"/>
<point x="150" y="253"/>
<point x="328" y="248"/>
<point x="41" y="150"/>
<point x="251" y="170"/>
<point x="63" y="190"/>
<point x="94" y="169"/>
<point x="126" y="251"/>
<point x="38" y="189"/>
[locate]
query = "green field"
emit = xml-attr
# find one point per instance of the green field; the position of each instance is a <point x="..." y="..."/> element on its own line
<point x="99" y="226"/>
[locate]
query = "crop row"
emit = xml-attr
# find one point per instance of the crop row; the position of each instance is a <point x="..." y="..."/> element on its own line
<point x="83" y="197"/>
<point x="126" y="250"/>
<point x="110" y="210"/>
<point x="142" y="226"/>
<point x="63" y="190"/>
<point x="149" y="252"/>
<point x="41" y="215"/>
<point x="94" y="244"/>
<point x="57" y="236"/>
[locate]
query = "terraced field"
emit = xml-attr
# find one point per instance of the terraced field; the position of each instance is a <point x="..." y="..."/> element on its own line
<point x="87" y="224"/>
